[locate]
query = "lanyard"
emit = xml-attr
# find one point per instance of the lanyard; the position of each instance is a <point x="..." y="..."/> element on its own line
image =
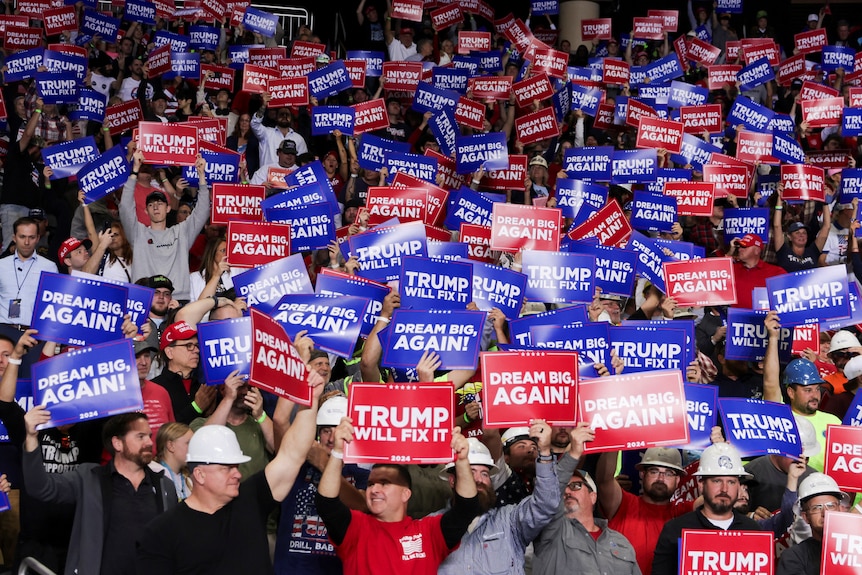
<point x="17" y="269"/>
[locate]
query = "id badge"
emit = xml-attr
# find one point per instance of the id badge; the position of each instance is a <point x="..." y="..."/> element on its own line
<point x="15" y="309"/>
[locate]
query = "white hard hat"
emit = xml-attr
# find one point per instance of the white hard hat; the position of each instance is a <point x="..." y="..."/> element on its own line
<point x="332" y="410"/>
<point x="215" y="444"/>
<point x="818" y="484"/>
<point x="721" y="459"/>
<point x="843" y="339"/>
<point x="853" y="368"/>
<point x="513" y="435"/>
<point x="807" y="436"/>
<point x="478" y="455"/>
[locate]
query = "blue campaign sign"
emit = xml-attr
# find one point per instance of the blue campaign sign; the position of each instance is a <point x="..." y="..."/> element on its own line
<point x="851" y="183"/>
<point x="853" y="417"/>
<point x="659" y="93"/>
<point x="557" y="277"/>
<point x="758" y="427"/>
<point x="808" y="296"/>
<point x="185" y="65"/>
<point x="851" y="122"/>
<point x="787" y="149"/>
<point x="488" y="150"/>
<point x="470" y="64"/>
<point x="545" y="7"/>
<point x="449" y="79"/>
<point x="177" y="42"/>
<point x="24" y="398"/>
<point x="315" y="193"/>
<point x="221" y="167"/>
<point x="855" y="312"/>
<point x="650" y="259"/>
<point x="373" y="150"/>
<point x="562" y="101"/>
<point x="23" y="65"/>
<point x="63" y="62"/>
<point x="66" y="158"/>
<point x="418" y="166"/>
<point x="340" y="285"/>
<point x="747" y="336"/>
<point x="754" y="74"/>
<point x="448" y="251"/>
<point x="469" y="207"/>
<point x="333" y="322"/>
<point x="95" y="23"/>
<point x="586" y="99"/>
<point x="701" y="406"/>
<point x="429" y="98"/>
<point x="684" y="94"/>
<point x="263" y="286"/>
<point x="729" y="6"/>
<point x="621" y="107"/>
<point x="750" y="114"/>
<point x="225" y="347"/>
<point x="664" y="69"/>
<point x="89" y="383"/>
<point x="139" y="300"/>
<point x="259" y="21"/>
<point x="653" y="212"/>
<point x="312" y="226"/>
<point x="325" y="119"/>
<point x="782" y="124"/>
<point x="104" y="174"/>
<point x="204" y="37"/>
<point x="373" y="61"/>
<point x="445" y="131"/>
<point x="578" y="199"/>
<point x="689" y="352"/>
<point x="490" y="62"/>
<point x="695" y="151"/>
<point x="834" y="57"/>
<point x="634" y="166"/>
<point x="329" y="81"/>
<point x="78" y="311"/>
<point x="590" y="340"/>
<point x="646" y="348"/>
<point x="238" y="55"/>
<point x="498" y="287"/>
<point x="454" y="335"/>
<point x="590" y="163"/>
<point x="682" y="251"/>
<point x="140" y="11"/>
<point x="380" y="250"/>
<point x="741" y="221"/>
<point x="425" y="283"/>
<point x="663" y="175"/>
<point x="310" y="174"/>
<point x="90" y="106"/>
<point x="615" y="267"/>
<point x="56" y="88"/>
<point x="519" y="329"/>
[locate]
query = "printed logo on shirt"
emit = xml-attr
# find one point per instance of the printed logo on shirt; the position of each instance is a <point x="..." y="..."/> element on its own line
<point x="411" y="547"/>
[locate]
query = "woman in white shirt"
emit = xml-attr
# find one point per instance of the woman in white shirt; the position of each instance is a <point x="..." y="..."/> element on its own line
<point x="214" y="276"/>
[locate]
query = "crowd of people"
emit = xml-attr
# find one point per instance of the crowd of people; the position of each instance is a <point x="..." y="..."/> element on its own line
<point x="228" y="478"/>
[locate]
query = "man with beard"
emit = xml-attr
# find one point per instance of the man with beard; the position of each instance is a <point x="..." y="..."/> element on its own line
<point x="518" y="466"/>
<point x="641" y="518"/>
<point x="163" y="302"/>
<point x="719" y="474"/>
<point x="113" y="502"/>
<point x="497" y="541"/>
<point x="560" y="441"/>
<point x="271" y="138"/>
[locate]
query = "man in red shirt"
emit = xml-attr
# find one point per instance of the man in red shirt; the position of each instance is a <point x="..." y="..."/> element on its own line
<point x="641" y="518"/>
<point x="157" y="401"/>
<point x="749" y="270"/>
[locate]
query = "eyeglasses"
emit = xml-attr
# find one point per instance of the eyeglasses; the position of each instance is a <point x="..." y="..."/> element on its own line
<point x="575" y="486"/>
<point x="191" y="346"/>
<point x="656" y="472"/>
<point x="821" y="507"/>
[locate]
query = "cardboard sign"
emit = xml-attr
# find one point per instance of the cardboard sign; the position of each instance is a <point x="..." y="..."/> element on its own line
<point x="670" y="19"/>
<point x="803" y="182"/>
<point x="473" y="41"/>
<point x="469" y="113"/>
<point x="578" y="199"/>
<point x="276" y="365"/>
<point x="287" y="91"/>
<point x="811" y="41"/>
<point x="59" y="20"/>
<point x="302" y="49"/>
<point x="509" y="178"/>
<point x="823" y="112"/>
<point x="650" y="412"/>
<point x="701" y="282"/>
<point x="385" y="203"/>
<point x="747" y="337"/>
<point x="557" y="277"/>
<point x="481" y="150"/>
<point x="519" y="386"/>
<point x="401" y="423"/>
<point x="490" y="87"/>
<point x="702" y="52"/>
<point x="653" y="212"/>
<point x="615" y="71"/>
<point x="169" y="144"/>
<point x="380" y="250"/>
<point x="609" y="225"/>
<point x="648" y="28"/>
<point x="374" y="149"/>
<point x="66" y="158"/>
<point x="407" y="10"/>
<point x="529" y="90"/>
<point x="658" y="133"/>
<point x="719" y="76"/>
<point x="22" y="38"/>
<point x="834" y="57"/>
<point x="634" y="166"/>
<point x="496" y="287"/>
<point x="651" y="256"/>
<point x="89" y="383"/>
<point x="515" y="227"/>
<point x="259" y="21"/>
<point x="103" y="175"/>
<point x="596" y="29"/>
<point x="454" y="335"/>
<point x="732" y="180"/>
<point x="252" y="244"/>
<point x="692" y="198"/>
<point x="265" y="285"/>
<point x="336" y="283"/>
<point x="326" y="119"/>
<point x="425" y="283"/>
<point x="402" y="76"/>
<point x="236" y="202"/>
<point x="853" y="418"/>
<point x="726" y="552"/>
<point x="57" y="88"/>
<point x="754" y="147"/>
<point x="333" y="322"/>
<point x="589" y="163"/>
<point x="841" y="544"/>
<point x="701" y="410"/>
<point x="329" y="81"/>
<point x="758" y="427"/>
<point x="446" y="16"/>
<point x="256" y="79"/>
<point x="844" y="456"/>
<point x="615" y="267"/>
<point x="125" y="116"/>
<point x="804" y="297"/>
<point x="478" y="240"/>
<point x="297" y="67"/>
<point x="370" y="116"/>
<point x="225" y="347"/>
<point x="741" y="221"/>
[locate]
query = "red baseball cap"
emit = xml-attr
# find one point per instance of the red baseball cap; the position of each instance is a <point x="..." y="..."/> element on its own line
<point x="749" y="240"/>
<point x="70" y="245"/>
<point x="176" y="332"/>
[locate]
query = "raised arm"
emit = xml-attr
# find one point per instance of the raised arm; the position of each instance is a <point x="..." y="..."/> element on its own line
<point x="369" y="364"/>
<point x="778" y="220"/>
<point x="771" y="366"/>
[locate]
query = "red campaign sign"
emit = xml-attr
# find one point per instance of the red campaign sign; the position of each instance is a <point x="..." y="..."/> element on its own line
<point x="437" y="234"/>
<point x="648" y="28"/>
<point x="277" y="177"/>
<point x="57" y="20"/>
<point x="609" y="225"/>
<point x="69" y="49"/>
<point x="22" y="38"/>
<point x="753" y="49"/>
<point x="370" y="115"/>
<point x="823" y="112"/>
<point x="9" y="20"/>
<point x="596" y="29"/>
<point x="296" y="67"/>
<point x="33" y="8"/>
<point x="790" y="69"/>
<point x="256" y="78"/>
<point x="755" y="147"/>
<point x="274" y="359"/>
<point x="406" y="204"/>
<point x="553" y="62"/>
<point x="681" y="51"/>
<point x="811" y="41"/>
<point x="515" y="227"/>
<point x="696" y="119"/>
<point x="356" y="71"/>
<point x="720" y="76"/>
<point x="509" y="179"/>
<point x="700" y="282"/>
<point x="236" y="202"/>
<point x="855" y="97"/>
<point x="287" y="92"/>
<point x="490" y="87"/>
<point x="726" y="552"/>
<point x="267" y="57"/>
<point x="803" y="182"/>
<point x="842" y="544"/>
<point x="3" y="113"/>
<point x="670" y="18"/>
<point x="213" y="8"/>
<point x="221" y="77"/>
<point x="658" y="133"/>
<point x="635" y="110"/>
<point x="447" y="174"/>
<point x="604" y="117"/>
<point x="692" y="198"/>
<point x="478" y="240"/>
<point x="814" y="91"/>
<point x="446" y="16"/>
<point x="473" y="41"/>
<point x="123" y="116"/>
<point x="212" y="130"/>
<point x="407" y="10"/>
<point x="537" y="126"/>
<point x="701" y="52"/>
<point x="517" y="33"/>
<point x="251" y="244"/>
<point x="470" y="113"/>
<point x="728" y="180"/>
<point x="159" y="62"/>
<point x="829" y="159"/>
<point x="402" y="75"/>
<point x="634" y="411"/>
<point x="805" y="337"/>
<point x="401" y="423"/>
<point x="307" y="49"/>
<point x="518" y="386"/>
<point x="615" y="71"/>
<point x="435" y="202"/>
<point x="169" y="144"/>
<point x="732" y="50"/>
